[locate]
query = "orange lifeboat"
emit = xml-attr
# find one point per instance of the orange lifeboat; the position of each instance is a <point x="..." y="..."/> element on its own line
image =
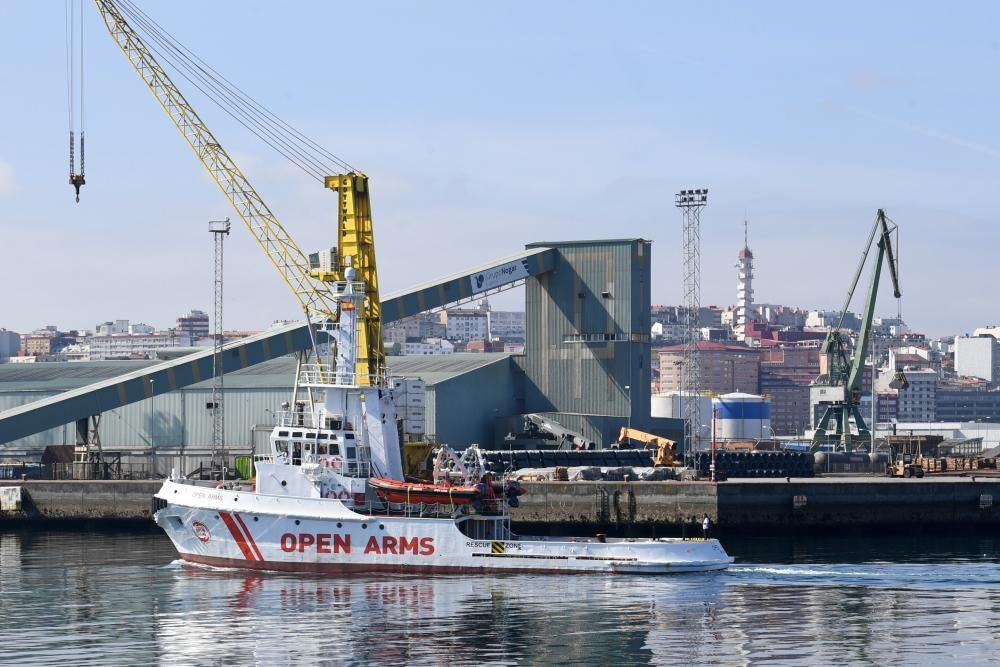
<point x="395" y="491"/>
<point x="443" y="493"/>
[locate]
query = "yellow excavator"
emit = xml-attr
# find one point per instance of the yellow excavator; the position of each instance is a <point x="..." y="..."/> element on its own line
<point x="663" y="457"/>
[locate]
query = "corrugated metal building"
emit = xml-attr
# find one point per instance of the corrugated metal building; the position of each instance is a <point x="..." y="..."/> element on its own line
<point x="179" y="419"/>
<point x="586" y="365"/>
<point x="587" y="350"/>
<point x="465" y="392"/>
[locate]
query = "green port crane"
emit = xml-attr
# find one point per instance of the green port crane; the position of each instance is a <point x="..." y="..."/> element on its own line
<point x="311" y="278"/>
<point x="839" y="388"/>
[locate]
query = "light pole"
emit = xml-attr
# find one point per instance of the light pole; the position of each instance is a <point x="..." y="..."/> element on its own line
<point x="628" y="419"/>
<point x="691" y="203"/>
<point x="152" y="443"/>
<point x="219" y="230"/>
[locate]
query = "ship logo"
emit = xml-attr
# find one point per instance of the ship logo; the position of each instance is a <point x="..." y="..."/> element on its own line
<point x="480" y="279"/>
<point x="201" y="531"/>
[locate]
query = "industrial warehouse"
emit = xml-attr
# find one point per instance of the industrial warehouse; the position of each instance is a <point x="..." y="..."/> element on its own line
<point x="586" y="365"/>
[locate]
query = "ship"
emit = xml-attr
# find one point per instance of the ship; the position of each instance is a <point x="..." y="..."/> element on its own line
<point x="330" y="496"/>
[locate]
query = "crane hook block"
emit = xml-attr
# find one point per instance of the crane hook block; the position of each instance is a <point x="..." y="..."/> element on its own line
<point x="77" y="180"/>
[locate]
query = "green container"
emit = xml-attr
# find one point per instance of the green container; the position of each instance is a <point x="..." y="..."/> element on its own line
<point x="244" y="466"/>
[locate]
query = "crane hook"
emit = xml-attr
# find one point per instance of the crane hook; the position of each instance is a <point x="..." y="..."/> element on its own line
<point x="76" y="180"/>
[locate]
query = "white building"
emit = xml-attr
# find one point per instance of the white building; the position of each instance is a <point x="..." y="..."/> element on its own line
<point x="110" y="328"/>
<point x="140" y="328"/>
<point x="978" y="357"/>
<point x="76" y="352"/>
<point x="467" y="324"/>
<point x="917" y="401"/>
<point x="992" y="330"/>
<point x="125" y="346"/>
<point x="429" y="346"/>
<point x="889" y="326"/>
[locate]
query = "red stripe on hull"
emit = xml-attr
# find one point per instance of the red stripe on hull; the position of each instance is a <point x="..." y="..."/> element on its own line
<point x="238" y="536"/>
<point x="348" y="568"/>
<point x="253" y="544"/>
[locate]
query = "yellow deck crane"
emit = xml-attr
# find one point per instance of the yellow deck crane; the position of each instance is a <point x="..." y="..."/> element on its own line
<point x="309" y="278"/>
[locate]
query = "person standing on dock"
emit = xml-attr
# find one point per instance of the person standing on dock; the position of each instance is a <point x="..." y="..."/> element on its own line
<point x="706" y="527"/>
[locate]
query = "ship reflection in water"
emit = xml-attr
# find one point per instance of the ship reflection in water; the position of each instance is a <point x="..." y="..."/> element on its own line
<point x="121" y="599"/>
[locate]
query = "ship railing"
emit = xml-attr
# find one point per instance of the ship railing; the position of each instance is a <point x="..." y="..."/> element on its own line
<point x="328" y="375"/>
<point x="293" y="418"/>
<point x="339" y="288"/>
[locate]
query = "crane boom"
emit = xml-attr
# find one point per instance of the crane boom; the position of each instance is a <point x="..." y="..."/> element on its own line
<point x="281" y="249"/>
<point x="841" y="385"/>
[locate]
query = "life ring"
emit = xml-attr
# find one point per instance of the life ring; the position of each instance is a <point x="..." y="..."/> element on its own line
<point x="334" y="462"/>
<point x="343" y="494"/>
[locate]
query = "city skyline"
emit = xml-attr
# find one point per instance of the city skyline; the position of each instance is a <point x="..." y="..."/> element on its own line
<point x="807" y="153"/>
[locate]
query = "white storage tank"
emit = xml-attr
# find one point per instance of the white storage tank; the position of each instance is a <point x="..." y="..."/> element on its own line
<point x="740" y="416"/>
<point x="671" y="405"/>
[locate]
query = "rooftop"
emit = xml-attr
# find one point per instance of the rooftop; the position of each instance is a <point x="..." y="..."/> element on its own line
<point x="276" y="373"/>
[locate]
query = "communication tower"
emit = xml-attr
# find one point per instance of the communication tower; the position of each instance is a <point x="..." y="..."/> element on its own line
<point x="691" y="202"/>
<point x="744" y="289"/>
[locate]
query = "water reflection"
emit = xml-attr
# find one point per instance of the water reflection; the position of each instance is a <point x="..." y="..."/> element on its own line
<point x="116" y="599"/>
<point x="435" y="621"/>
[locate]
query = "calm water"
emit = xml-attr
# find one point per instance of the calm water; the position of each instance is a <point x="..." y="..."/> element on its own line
<point x="91" y="598"/>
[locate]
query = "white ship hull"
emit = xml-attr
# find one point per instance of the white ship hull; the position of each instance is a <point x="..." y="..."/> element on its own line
<point x="246" y="530"/>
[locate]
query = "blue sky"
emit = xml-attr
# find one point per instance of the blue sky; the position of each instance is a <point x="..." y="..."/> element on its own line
<point x="485" y="127"/>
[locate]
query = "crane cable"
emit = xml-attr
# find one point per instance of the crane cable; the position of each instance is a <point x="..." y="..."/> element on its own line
<point x="75" y="179"/>
<point x="279" y="135"/>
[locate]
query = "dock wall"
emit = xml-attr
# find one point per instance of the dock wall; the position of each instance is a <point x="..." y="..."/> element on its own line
<point x="624" y="507"/>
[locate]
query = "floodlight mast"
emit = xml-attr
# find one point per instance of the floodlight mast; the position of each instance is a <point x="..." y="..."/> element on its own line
<point x="219" y="229"/>
<point x="691" y="202"/>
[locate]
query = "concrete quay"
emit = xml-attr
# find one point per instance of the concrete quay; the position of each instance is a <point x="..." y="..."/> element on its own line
<point x="630" y="508"/>
<point x="88" y="501"/>
<point x="867" y="503"/>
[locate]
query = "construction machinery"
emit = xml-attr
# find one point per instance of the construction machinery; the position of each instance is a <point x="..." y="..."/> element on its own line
<point x="663" y="456"/>
<point x="838" y="389"/>
<point x="535" y="425"/>
<point x="313" y="279"/>
<point x="905" y="465"/>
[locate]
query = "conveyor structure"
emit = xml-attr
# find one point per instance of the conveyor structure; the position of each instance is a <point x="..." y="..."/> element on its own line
<point x="99" y="397"/>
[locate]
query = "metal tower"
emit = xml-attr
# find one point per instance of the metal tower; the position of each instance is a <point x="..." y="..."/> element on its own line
<point x="219" y="230"/>
<point x="691" y="202"/>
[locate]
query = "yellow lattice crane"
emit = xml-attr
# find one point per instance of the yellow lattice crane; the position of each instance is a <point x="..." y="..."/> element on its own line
<point x="309" y="281"/>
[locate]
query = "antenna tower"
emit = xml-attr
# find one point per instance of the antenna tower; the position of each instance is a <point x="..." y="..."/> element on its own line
<point x="691" y="202"/>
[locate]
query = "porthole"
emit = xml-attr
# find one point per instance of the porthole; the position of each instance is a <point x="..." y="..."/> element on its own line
<point x="296" y="522"/>
<point x="364" y="525"/>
